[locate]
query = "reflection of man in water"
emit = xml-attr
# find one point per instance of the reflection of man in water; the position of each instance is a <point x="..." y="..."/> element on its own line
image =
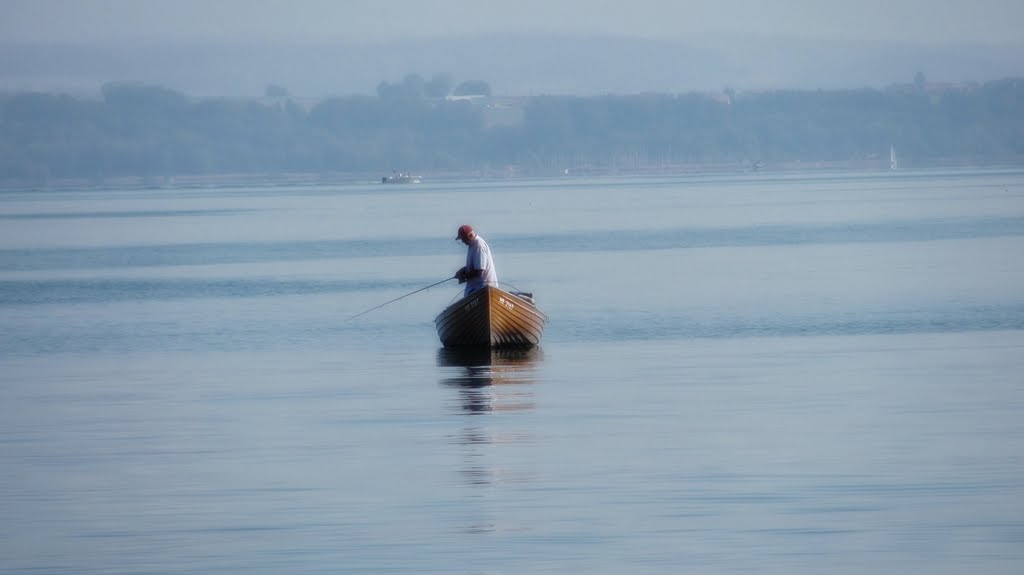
<point x="479" y="269"/>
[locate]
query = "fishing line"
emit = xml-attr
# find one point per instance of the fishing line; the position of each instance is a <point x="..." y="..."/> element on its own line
<point x="400" y="297"/>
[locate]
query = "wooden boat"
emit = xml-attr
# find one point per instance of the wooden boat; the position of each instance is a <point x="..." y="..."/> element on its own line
<point x="491" y="317"/>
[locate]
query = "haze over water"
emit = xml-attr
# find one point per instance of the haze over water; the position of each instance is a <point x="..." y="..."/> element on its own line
<point x="772" y="373"/>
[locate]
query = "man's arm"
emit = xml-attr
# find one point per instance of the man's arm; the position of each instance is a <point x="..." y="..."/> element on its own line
<point x="464" y="275"/>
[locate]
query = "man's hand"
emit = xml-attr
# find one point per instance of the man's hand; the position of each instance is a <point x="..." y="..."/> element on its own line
<point x="461" y="275"/>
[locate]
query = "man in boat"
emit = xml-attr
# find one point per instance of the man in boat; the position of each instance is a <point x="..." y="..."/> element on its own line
<point x="479" y="269"/>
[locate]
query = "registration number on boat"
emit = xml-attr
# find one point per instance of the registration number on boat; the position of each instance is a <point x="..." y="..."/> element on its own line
<point x="506" y="303"/>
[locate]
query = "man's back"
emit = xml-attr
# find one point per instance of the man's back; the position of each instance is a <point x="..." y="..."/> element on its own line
<point x="478" y="257"/>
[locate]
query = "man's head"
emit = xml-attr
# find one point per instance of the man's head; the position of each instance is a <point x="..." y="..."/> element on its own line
<point x="466" y="234"/>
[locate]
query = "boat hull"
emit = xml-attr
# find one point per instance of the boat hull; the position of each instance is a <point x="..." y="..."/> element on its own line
<point x="491" y="317"/>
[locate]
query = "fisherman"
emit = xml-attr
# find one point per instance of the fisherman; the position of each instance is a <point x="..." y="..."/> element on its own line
<point x="479" y="269"/>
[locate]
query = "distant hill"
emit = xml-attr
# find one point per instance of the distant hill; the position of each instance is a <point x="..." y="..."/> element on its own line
<point x="512" y="65"/>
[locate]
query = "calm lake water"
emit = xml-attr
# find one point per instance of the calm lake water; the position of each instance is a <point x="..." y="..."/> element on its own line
<point x="741" y="374"/>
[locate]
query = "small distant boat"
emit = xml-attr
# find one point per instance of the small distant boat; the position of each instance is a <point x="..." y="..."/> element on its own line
<point x="400" y="178"/>
<point x="491" y="317"/>
<point x="892" y="158"/>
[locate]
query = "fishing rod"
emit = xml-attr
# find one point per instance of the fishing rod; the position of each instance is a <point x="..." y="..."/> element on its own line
<point x="400" y="297"/>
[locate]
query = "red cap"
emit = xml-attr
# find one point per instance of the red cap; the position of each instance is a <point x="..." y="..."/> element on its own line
<point x="464" y="231"/>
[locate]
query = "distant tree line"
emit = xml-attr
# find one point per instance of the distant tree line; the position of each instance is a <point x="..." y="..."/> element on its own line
<point x="436" y="125"/>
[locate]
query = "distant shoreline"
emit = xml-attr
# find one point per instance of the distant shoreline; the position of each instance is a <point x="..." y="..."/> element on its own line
<point x="193" y="181"/>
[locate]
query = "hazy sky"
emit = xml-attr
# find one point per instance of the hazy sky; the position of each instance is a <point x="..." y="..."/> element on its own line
<point x="916" y="21"/>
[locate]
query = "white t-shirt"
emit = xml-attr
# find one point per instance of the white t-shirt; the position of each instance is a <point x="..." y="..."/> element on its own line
<point x="478" y="257"/>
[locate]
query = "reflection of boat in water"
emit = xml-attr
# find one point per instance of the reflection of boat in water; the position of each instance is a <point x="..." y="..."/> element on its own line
<point x="481" y="357"/>
<point x="483" y="366"/>
<point x="400" y="178"/>
<point x="491" y="317"/>
<point x="478" y="379"/>
<point x="478" y="369"/>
